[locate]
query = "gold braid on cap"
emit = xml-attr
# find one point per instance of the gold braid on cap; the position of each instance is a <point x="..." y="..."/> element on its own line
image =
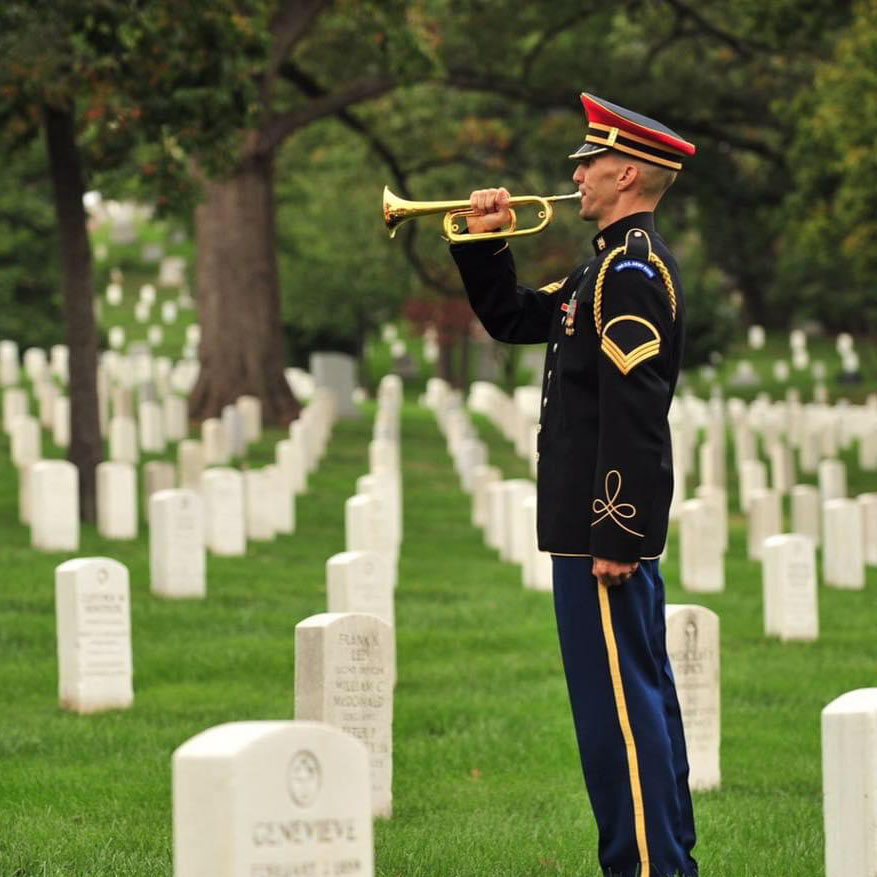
<point x="601" y="279"/>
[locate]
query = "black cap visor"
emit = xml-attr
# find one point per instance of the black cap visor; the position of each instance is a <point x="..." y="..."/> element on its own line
<point x="586" y="150"/>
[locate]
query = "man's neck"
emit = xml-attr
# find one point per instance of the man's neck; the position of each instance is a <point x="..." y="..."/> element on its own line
<point x="622" y="209"/>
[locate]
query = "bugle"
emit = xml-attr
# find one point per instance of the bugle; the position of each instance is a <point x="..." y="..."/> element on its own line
<point x="398" y="210"/>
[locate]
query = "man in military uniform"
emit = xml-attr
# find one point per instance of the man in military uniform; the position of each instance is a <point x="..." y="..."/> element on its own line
<point x="614" y="328"/>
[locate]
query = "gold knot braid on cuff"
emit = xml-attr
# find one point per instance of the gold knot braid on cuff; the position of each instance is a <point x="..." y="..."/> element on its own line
<point x="609" y="509"/>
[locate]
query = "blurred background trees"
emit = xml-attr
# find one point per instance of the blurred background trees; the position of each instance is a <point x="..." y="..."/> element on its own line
<point x="271" y="127"/>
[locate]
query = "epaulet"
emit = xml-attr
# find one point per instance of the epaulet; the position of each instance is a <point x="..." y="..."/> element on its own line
<point x="638" y="245"/>
<point x="637" y="250"/>
<point x="551" y="288"/>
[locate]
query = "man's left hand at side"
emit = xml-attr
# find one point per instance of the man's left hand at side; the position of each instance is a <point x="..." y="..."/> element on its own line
<point x="611" y="572"/>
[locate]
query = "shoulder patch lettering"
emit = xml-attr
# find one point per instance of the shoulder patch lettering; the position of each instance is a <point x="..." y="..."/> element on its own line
<point x="629" y="340"/>
<point x="627" y="264"/>
<point x="551" y="288"/>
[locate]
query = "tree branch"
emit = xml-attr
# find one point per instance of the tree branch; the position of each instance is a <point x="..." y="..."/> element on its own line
<point x="315" y="91"/>
<point x="291" y="23"/>
<point x="547" y="36"/>
<point x="278" y="128"/>
<point x="738" y="45"/>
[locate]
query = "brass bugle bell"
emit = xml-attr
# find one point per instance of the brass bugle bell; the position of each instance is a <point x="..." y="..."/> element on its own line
<point x="398" y="210"/>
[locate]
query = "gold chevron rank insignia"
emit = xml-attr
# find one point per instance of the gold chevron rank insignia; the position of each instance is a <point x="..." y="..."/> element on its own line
<point x="551" y="288"/>
<point x="629" y="340"/>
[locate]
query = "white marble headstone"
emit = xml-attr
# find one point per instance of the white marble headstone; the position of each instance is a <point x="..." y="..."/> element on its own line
<point x="117" y="500"/>
<point x="215" y="442"/>
<point x="9" y="367"/>
<point x="123" y="440"/>
<point x="337" y="371"/>
<point x="259" y="505"/>
<point x="54" y="505"/>
<point x="791" y="609"/>
<point x="832" y="479"/>
<point x="753" y="476"/>
<point x="868" y="506"/>
<point x="250" y="410"/>
<point x="175" y="418"/>
<point x="344" y="676"/>
<point x="292" y="463"/>
<point x="281" y="499"/>
<point x="15" y="404"/>
<point x="35" y="363"/>
<point x="190" y="462"/>
<point x="516" y="535"/>
<point x="224" y="522"/>
<point x="272" y="799"/>
<point x="233" y="427"/>
<point x="693" y="647"/>
<point x="93" y="616"/>
<point x="843" y="560"/>
<point x="807" y="512"/>
<point x="176" y="544"/>
<point x="367" y="528"/>
<point x="157" y="475"/>
<point x="701" y="548"/>
<point x="849" y="784"/>
<point x="61" y="421"/>
<point x="764" y="519"/>
<point x="537" y="567"/>
<point x="482" y="476"/>
<point x="360" y="581"/>
<point x="26" y="441"/>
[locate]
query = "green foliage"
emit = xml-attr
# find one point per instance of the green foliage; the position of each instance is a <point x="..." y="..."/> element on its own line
<point x="157" y="86"/>
<point x="29" y="277"/>
<point x="340" y="275"/>
<point x="829" y="250"/>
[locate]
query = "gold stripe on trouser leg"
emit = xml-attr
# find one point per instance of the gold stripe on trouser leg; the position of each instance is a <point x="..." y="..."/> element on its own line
<point x="636" y="791"/>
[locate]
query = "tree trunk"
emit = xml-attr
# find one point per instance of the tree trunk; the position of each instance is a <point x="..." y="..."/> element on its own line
<point x="68" y="188"/>
<point x="241" y="348"/>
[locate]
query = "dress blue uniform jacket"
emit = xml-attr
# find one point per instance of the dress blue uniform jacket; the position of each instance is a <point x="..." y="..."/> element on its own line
<point x="614" y="328"/>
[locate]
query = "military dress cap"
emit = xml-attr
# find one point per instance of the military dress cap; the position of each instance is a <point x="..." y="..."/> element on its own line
<point x="614" y="127"/>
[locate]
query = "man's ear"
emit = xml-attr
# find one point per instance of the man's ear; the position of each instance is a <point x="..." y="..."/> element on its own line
<point x="628" y="175"/>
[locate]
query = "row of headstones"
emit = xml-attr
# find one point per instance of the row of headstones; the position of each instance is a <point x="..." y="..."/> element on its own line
<point x="335" y="760"/>
<point x="846" y="530"/>
<point x="814" y="431"/>
<point x="153" y="379"/>
<point x="254" y="504"/>
<point x="504" y="509"/>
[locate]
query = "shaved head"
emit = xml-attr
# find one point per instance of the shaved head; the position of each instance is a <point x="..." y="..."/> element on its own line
<point x="654" y="180"/>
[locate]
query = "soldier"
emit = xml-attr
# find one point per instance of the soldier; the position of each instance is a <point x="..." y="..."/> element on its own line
<point x="614" y="328"/>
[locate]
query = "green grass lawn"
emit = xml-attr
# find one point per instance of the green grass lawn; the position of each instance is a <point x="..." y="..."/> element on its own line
<point x="486" y="776"/>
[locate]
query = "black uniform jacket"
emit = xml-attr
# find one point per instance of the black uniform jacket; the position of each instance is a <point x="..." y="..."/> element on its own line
<point x="605" y="472"/>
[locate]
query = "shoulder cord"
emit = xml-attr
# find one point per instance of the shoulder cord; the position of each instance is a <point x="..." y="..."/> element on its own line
<point x="601" y="278"/>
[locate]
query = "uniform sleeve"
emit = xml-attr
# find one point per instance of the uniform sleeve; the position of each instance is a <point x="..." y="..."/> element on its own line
<point x="509" y="312"/>
<point x="634" y="394"/>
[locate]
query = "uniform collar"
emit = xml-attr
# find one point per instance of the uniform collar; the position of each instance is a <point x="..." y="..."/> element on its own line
<point x="613" y="235"/>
